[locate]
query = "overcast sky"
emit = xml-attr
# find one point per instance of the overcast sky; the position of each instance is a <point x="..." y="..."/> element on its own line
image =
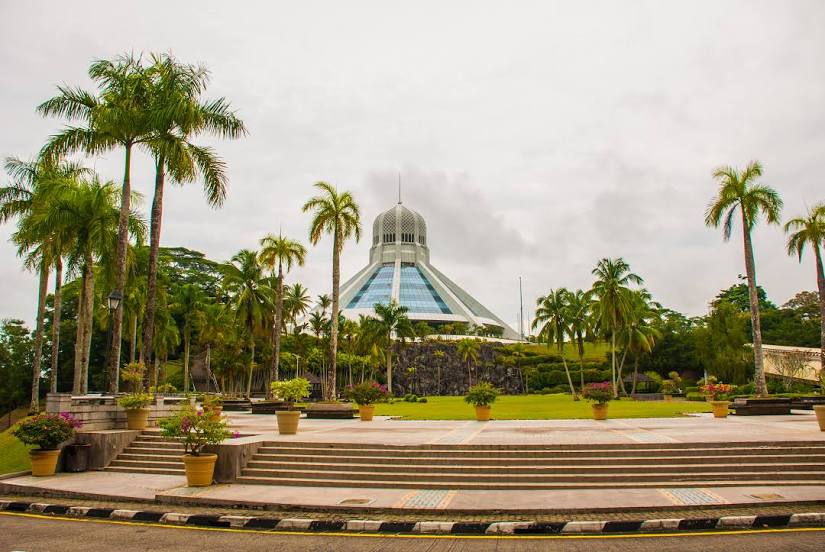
<point x="534" y="138"/>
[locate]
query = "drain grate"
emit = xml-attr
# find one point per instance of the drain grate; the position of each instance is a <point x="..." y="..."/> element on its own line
<point x="355" y="501"/>
<point x="692" y="497"/>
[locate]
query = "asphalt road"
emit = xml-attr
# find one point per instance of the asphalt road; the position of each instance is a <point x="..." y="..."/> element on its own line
<point x="28" y="534"/>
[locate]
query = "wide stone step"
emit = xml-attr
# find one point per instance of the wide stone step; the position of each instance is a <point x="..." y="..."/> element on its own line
<point x="494" y="486"/>
<point x="554" y="447"/>
<point x="155" y="471"/>
<point x="156" y="444"/>
<point x="424" y="479"/>
<point x="509" y="469"/>
<point x="521" y="461"/>
<point x="146" y="462"/>
<point x="154" y="451"/>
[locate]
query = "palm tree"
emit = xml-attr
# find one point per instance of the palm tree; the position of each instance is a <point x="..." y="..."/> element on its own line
<point x="177" y="113"/>
<point x="166" y="339"/>
<point x="317" y="323"/>
<point x="296" y="302"/>
<point x="189" y="302"/>
<point x="213" y="327"/>
<point x="334" y="213"/>
<point x="637" y="335"/>
<point x="250" y="298"/>
<point x="579" y="318"/>
<point x="117" y="117"/>
<point x="467" y="349"/>
<point x="810" y="230"/>
<point x="35" y="185"/>
<point x="552" y="317"/>
<point x="613" y="301"/>
<point x="738" y="191"/>
<point x="323" y="302"/>
<point x="390" y="322"/>
<point x="279" y="251"/>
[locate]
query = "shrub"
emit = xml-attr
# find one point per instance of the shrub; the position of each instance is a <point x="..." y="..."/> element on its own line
<point x="163" y="388"/>
<point x="212" y="401"/>
<point x="592" y="375"/>
<point x="669" y="387"/>
<point x="717" y="391"/>
<point x="560" y="389"/>
<point x="135" y="401"/>
<point x="132" y="374"/>
<point x="747" y="389"/>
<point x="195" y="429"/>
<point x="410" y="397"/>
<point x="291" y="390"/>
<point x="656" y="384"/>
<point x="46" y="431"/>
<point x="599" y="393"/>
<point x="369" y="392"/>
<point x="422" y="399"/>
<point x="691" y="389"/>
<point x="482" y="394"/>
<point x="694" y="396"/>
<point x="676" y="379"/>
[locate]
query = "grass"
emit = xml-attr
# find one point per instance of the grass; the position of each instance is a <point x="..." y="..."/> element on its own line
<point x="592" y="351"/>
<point x="536" y="407"/>
<point x="14" y="455"/>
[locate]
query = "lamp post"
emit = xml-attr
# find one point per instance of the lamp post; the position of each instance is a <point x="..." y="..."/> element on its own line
<point x="297" y="360"/>
<point x="112" y="303"/>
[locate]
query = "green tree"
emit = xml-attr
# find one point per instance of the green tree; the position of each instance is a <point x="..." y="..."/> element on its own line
<point x="580" y="321"/>
<point x="177" y="113"/>
<point x="612" y="301"/>
<point x="637" y="334"/>
<point x="16" y="357"/>
<point x="296" y="303"/>
<point x="334" y="213"/>
<point x="721" y="343"/>
<point x="467" y="349"/>
<point x="251" y="297"/>
<point x="738" y="191"/>
<point x="810" y="231"/>
<point x="552" y="317"/>
<point x="277" y="251"/>
<point x="188" y="303"/>
<point x="738" y="295"/>
<point x="391" y="322"/>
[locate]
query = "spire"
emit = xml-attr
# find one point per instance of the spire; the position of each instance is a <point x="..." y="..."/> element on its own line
<point x="399" y="188"/>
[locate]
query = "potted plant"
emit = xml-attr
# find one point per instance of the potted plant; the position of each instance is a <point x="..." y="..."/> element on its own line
<point x="213" y="402"/>
<point x="600" y="394"/>
<point x="137" y="411"/>
<point x="668" y="388"/>
<point x="482" y="395"/>
<point x="290" y="391"/>
<point x="196" y="429"/>
<point x="46" y="432"/>
<point x="717" y="394"/>
<point x="365" y="395"/>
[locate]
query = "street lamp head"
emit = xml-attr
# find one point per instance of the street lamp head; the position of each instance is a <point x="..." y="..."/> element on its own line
<point x="114" y="300"/>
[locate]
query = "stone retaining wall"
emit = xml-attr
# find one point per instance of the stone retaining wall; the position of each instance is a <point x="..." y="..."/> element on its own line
<point x="101" y="412"/>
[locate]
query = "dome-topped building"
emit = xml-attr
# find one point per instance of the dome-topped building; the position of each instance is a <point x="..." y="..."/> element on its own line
<point x="400" y="269"/>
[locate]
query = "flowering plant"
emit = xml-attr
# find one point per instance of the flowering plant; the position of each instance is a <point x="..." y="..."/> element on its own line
<point x="195" y="429"/>
<point x="717" y="391"/>
<point x="366" y="393"/>
<point x="46" y="431"/>
<point x="599" y="393"/>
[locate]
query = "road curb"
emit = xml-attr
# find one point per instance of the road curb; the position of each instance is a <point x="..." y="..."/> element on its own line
<point x="772" y="521"/>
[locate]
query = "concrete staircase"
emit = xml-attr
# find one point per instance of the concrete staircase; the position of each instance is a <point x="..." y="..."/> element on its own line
<point x="536" y="467"/>
<point x="150" y="453"/>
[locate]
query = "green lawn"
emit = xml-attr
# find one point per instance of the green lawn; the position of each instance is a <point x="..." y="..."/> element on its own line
<point x="14" y="456"/>
<point x="536" y="407"/>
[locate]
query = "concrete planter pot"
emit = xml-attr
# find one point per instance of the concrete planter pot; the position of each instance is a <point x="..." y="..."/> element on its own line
<point x="599" y="411"/>
<point x="366" y="411"/>
<point x="137" y="418"/>
<point x="720" y="409"/>
<point x="288" y="421"/>
<point x="820" y="415"/>
<point x="44" y="462"/>
<point x="483" y="413"/>
<point x="199" y="469"/>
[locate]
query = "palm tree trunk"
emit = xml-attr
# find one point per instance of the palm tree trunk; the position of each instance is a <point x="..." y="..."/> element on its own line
<point x="80" y="338"/>
<point x="389" y="369"/>
<point x="120" y="268"/>
<point x="58" y="306"/>
<point x="569" y="379"/>
<point x="613" y="360"/>
<point x="132" y="338"/>
<point x="581" y="363"/>
<point x="333" y="334"/>
<point x="88" y="316"/>
<point x="759" y="369"/>
<point x="152" y="278"/>
<point x="820" y="283"/>
<point x="619" y="372"/>
<point x="43" y="288"/>
<point x="251" y="367"/>
<point x="635" y="375"/>
<point x="187" y="338"/>
<point x="279" y="318"/>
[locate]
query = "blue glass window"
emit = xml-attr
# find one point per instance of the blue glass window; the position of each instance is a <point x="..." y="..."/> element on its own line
<point x="418" y="294"/>
<point x="377" y="289"/>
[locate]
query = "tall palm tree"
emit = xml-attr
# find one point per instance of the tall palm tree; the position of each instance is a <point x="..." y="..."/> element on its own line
<point x="213" y="328"/>
<point x="739" y="191"/>
<point x="467" y="349"/>
<point x="35" y="186"/>
<point x="334" y="213"/>
<point x="317" y="323"/>
<point x="390" y="322"/>
<point x="323" y="302"/>
<point x="296" y="302"/>
<point x="637" y="335"/>
<point x="177" y="113"/>
<point x="277" y="251"/>
<point x="810" y="230"/>
<point x="552" y="318"/>
<point x="116" y="117"/>
<point x="579" y="319"/>
<point x="613" y="301"/>
<point x="188" y="303"/>
<point x="250" y="298"/>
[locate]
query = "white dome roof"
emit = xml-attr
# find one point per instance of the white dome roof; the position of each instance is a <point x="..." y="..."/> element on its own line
<point x="399" y="224"/>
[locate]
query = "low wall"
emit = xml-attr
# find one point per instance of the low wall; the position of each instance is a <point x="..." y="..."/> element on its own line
<point x="105" y="445"/>
<point x="101" y="412"/>
<point x="233" y="455"/>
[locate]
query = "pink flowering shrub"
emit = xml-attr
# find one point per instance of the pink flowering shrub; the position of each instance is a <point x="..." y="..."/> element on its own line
<point x="369" y="392"/>
<point x="46" y="431"/>
<point x="599" y="393"/>
<point x="717" y="391"/>
<point x="195" y="429"/>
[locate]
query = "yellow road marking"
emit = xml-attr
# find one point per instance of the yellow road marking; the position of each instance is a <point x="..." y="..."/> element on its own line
<point x="422" y="536"/>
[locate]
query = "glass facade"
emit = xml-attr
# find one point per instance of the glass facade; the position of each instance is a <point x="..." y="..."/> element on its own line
<point x="418" y="294"/>
<point x="377" y="289"/>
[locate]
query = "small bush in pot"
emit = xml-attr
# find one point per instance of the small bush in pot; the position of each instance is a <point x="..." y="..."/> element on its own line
<point x="668" y="388"/>
<point x="46" y="432"/>
<point x="717" y="395"/>
<point x="482" y="396"/>
<point x="196" y="429"/>
<point x="137" y="409"/>
<point x="365" y="395"/>
<point x="600" y="394"/>
<point x="290" y="391"/>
